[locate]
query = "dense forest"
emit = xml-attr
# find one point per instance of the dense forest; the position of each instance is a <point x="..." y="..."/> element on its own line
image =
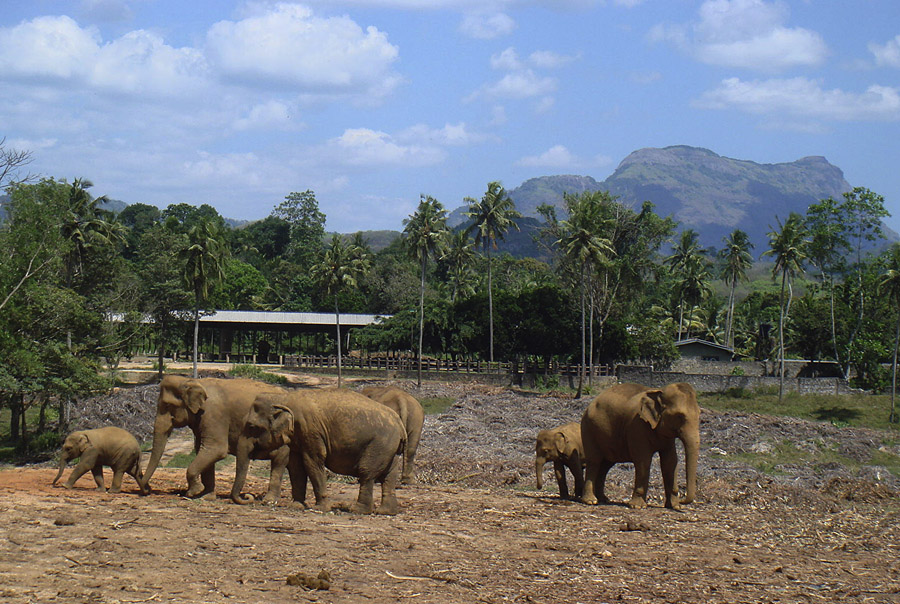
<point x="77" y="284"/>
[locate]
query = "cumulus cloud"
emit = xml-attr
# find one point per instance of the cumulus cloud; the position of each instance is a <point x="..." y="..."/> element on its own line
<point x="804" y="98"/>
<point x="268" y="115"/>
<point x="558" y="157"/>
<point x="290" y="47"/>
<point x="887" y="54"/>
<point x="58" y="49"/>
<point x="487" y="25"/>
<point x="451" y="135"/>
<point x="749" y="34"/>
<point x="365" y="147"/>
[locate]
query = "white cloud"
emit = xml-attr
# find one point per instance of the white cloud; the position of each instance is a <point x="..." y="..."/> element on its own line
<point x="749" y="34"/>
<point x="520" y="85"/>
<point x="58" y="49"/>
<point x="887" y="54"/>
<point x="557" y="157"/>
<point x="508" y="60"/>
<point x="270" y="115"/>
<point x="289" y="47"/>
<point x="365" y="147"/>
<point x="452" y="135"/>
<point x="485" y="25"/>
<point x="547" y="59"/>
<point x="804" y="98"/>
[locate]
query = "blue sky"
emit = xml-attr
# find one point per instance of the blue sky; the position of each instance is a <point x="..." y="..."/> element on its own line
<point x="371" y="103"/>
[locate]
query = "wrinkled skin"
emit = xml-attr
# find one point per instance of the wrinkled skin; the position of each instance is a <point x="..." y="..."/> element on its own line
<point x="413" y="417"/>
<point x="338" y="429"/>
<point x="562" y="446"/>
<point x="214" y="410"/>
<point x="631" y="422"/>
<point x="110" y="446"/>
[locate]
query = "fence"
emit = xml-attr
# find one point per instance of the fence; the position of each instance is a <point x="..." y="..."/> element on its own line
<point x="406" y="363"/>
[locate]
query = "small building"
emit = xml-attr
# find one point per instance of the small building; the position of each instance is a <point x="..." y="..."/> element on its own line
<point x="703" y="350"/>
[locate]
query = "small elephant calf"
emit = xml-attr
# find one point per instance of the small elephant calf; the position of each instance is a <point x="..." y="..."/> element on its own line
<point x="110" y="446"/>
<point x="562" y="446"/>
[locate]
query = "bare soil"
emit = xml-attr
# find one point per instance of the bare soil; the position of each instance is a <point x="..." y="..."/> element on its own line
<point x="474" y="529"/>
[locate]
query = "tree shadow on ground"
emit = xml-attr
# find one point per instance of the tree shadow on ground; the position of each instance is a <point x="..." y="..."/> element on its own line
<point x="836" y="414"/>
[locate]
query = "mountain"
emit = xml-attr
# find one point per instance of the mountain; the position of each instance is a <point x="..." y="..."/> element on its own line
<point x="701" y="190"/>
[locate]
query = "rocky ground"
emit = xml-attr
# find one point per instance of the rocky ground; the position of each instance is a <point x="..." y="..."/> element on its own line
<point x="474" y="529"/>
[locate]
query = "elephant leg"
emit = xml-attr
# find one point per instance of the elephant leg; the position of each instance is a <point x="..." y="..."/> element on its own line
<point x="365" y="501"/>
<point x="389" y="504"/>
<point x="594" y="487"/>
<point x="97" y="471"/>
<point x="78" y="471"/>
<point x="276" y="474"/>
<point x="668" y="465"/>
<point x="297" y="473"/>
<point x="315" y="470"/>
<point x="118" y="474"/>
<point x="600" y="483"/>
<point x="577" y="469"/>
<point x="412" y="445"/>
<point x="641" y="483"/>
<point x="559" y="470"/>
<point x="136" y="473"/>
<point x="201" y="473"/>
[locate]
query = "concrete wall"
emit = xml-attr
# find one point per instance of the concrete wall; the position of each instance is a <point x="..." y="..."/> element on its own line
<point x="792" y="368"/>
<point x="707" y="382"/>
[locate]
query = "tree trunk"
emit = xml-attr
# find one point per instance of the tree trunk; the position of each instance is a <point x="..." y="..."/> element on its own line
<point x="729" y="323"/>
<point x="781" y="340"/>
<point x="581" y="367"/>
<point x="892" y="418"/>
<point x="196" y="335"/>
<point x="421" y="321"/>
<point x="337" y="321"/>
<point x="490" y="305"/>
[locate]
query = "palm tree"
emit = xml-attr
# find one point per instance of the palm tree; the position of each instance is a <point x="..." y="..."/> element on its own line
<point x="890" y="286"/>
<point x="737" y="261"/>
<point x="204" y="264"/>
<point x="585" y="248"/>
<point x="788" y="246"/>
<point x="693" y="286"/>
<point x="341" y="266"/>
<point x="684" y="258"/>
<point x="426" y="232"/>
<point x="459" y="257"/>
<point x="492" y="217"/>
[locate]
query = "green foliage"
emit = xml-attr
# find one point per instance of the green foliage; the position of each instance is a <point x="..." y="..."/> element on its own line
<point x="255" y="372"/>
<point x="435" y="405"/>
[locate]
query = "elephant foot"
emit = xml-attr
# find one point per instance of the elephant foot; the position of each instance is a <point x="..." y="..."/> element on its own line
<point x="116" y="490"/>
<point x="589" y="500"/>
<point x="323" y="506"/>
<point x="388" y="509"/>
<point x="637" y="503"/>
<point x="361" y="508"/>
<point x="67" y="486"/>
<point x="408" y="480"/>
<point x="673" y="504"/>
<point x="271" y="499"/>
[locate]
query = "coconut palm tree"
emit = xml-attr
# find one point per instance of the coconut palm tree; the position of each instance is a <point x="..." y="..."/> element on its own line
<point x="890" y="286"/>
<point x="204" y="266"/>
<point x="585" y="248"/>
<point x="788" y="246"/>
<point x="737" y="261"/>
<point x="492" y="217"/>
<point x="341" y="266"/>
<point x="459" y="256"/>
<point x="685" y="257"/>
<point x="426" y="233"/>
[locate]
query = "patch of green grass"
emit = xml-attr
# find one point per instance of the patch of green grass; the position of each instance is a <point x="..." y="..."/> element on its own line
<point x="434" y="405"/>
<point x="886" y="459"/>
<point x="786" y="453"/>
<point x="856" y="410"/>
<point x="254" y="372"/>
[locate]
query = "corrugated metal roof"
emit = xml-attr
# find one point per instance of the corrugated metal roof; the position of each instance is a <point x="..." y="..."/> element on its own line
<point x="289" y="318"/>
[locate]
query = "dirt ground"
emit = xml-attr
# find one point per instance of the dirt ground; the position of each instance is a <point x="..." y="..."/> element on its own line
<point x="475" y="529"/>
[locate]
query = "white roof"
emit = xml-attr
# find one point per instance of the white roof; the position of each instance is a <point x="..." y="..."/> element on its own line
<point x="296" y="318"/>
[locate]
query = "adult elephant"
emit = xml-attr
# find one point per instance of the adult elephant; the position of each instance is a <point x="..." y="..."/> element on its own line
<point x="411" y="414"/>
<point x="562" y="446"/>
<point x="214" y="409"/>
<point x="631" y="422"/>
<point x="338" y="429"/>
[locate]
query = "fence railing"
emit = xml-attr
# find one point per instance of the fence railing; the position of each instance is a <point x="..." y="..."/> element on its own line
<point x="405" y="363"/>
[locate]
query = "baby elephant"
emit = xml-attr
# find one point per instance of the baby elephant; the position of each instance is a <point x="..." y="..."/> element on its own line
<point x="562" y="446"/>
<point x="110" y="446"/>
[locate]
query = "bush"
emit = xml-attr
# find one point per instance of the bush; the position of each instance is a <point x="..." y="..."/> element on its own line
<point x="246" y="370"/>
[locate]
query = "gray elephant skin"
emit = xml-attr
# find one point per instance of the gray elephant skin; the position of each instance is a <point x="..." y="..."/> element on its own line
<point x="214" y="409"/>
<point x="413" y="417"/>
<point x="110" y="446"/>
<point x="631" y="422"/>
<point x="562" y="446"/>
<point x="338" y="429"/>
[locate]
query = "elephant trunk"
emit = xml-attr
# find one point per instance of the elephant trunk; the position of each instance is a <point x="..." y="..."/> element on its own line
<point x="539" y="463"/>
<point x="63" y="460"/>
<point x="691" y="454"/>
<point x="162" y="428"/>
<point x="242" y="465"/>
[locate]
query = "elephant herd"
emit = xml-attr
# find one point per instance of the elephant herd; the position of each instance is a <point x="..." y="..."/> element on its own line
<point x="373" y="435"/>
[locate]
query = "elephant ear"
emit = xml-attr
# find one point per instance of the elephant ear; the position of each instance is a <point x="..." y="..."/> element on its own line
<point x="82" y="442"/>
<point x="561" y="442"/>
<point x="282" y="423"/>
<point x="194" y="396"/>
<point x="651" y="407"/>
